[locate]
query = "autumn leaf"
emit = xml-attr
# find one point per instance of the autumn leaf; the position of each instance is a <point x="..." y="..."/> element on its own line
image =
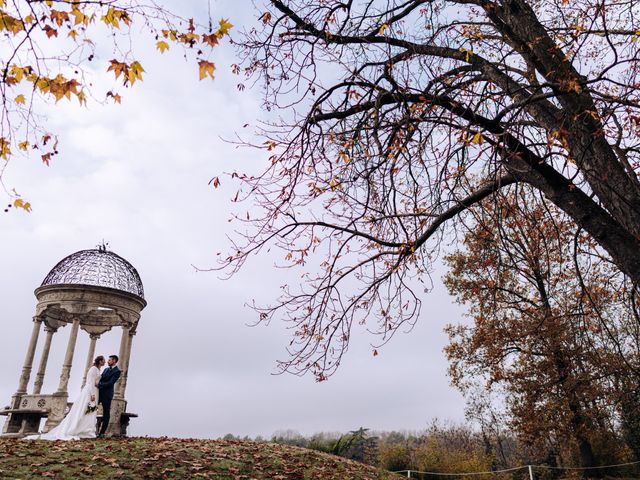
<point x="215" y="181"/>
<point x="19" y="203"/>
<point x="113" y="16"/>
<point x="162" y="46"/>
<point x="224" y="27"/>
<point x="118" y="68"/>
<point x="59" y="17"/>
<point x="116" y="98"/>
<point x="5" y="150"/>
<point x="19" y="72"/>
<point x="79" y="16"/>
<point x="477" y="139"/>
<point x="20" y="99"/>
<point x="46" y="158"/>
<point x="50" y="31"/>
<point x="211" y="40"/>
<point x="135" y="72"/>
<point x="266" y="17"/>
<point x="23" y="145"/>
<point x="206" y="68"/>
<point x="9" y="23"/>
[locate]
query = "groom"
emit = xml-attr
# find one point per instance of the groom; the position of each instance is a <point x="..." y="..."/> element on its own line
<point x="109" y="377"/>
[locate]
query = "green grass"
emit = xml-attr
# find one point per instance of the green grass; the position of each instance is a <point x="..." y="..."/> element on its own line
<point x="159" y="458"/>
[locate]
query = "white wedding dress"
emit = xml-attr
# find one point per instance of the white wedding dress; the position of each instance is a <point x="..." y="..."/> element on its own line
<point x="78" y="423"/>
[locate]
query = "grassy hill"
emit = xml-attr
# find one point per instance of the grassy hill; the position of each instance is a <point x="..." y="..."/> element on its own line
<point x="156" y="458"/>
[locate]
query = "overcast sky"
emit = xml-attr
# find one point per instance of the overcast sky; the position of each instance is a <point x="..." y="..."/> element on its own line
<point x="136" y="176"/>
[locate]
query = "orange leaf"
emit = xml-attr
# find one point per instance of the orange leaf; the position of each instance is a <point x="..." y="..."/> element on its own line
<point x="206" y="68"/>
<point x="51" y="32"/>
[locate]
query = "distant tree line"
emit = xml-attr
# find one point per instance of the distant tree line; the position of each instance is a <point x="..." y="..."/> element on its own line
<point x="452" y="448"/>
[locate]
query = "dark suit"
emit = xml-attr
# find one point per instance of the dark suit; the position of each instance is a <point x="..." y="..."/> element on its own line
<point x="105" y="394"/>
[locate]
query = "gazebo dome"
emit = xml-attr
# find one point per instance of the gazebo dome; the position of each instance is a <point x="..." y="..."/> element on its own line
<point x="96" y="267"/>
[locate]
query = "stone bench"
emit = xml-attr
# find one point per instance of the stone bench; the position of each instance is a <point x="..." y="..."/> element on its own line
<point x="125" y="418"/>
<point x="23" y="420"/>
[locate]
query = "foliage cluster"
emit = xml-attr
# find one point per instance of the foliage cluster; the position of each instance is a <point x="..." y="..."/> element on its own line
<point x="52" y="49"/>
<point x="554" y="329"/>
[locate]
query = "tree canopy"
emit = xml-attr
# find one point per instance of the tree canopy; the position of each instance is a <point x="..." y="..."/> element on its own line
<point x="554" y="325"/>
<point x="396" y="116"/>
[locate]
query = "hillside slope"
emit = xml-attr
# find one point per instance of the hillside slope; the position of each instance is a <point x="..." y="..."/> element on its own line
<point x="156" y="458"/>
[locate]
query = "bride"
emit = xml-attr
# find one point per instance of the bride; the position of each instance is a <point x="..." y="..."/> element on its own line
<point x="80" y="422"/>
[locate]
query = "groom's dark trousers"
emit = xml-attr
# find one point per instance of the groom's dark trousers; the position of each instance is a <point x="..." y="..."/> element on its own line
<point x="105" y="394"/>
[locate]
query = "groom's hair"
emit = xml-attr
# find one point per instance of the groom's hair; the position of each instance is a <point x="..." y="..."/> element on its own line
<point x="115" y="357"/>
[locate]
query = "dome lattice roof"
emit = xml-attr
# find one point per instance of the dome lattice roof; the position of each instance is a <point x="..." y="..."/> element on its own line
<point x="97" y="267"/>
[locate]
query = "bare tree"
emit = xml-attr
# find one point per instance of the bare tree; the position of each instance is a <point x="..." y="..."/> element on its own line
<point x="399" y="115"/>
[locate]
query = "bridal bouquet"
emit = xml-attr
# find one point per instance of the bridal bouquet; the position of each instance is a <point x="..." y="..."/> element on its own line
<point x="91" y="407"/>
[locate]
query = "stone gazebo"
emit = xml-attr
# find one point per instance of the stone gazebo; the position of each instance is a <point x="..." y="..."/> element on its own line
<point x="90" y="290"/>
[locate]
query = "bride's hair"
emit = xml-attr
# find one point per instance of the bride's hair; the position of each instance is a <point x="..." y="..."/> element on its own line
<point x="99" y="359"/>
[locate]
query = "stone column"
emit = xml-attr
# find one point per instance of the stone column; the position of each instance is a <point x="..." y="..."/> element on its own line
<point x="68" y="357"/>
<point x="44" y="358"/>
<point x="125" y="343"/>
<point x="28" y="359"/>
<point x="92" y="352"/>
<point x="125" y="369"/>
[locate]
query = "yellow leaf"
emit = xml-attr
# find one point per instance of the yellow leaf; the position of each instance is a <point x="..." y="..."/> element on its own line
<point x="5" y="150"/>
<point x="113" y="16"/>
<point x="80" y="17"/>
<point x="29" y="19"/>
<point x="477" y="138"/>
<point x="467" y="54"/>
<point x="266" y="17"/>
<point x="383" y="28"/>
<point x="19" y="203"/>
<point x="135" y="72"/>
<point x="162" y="46"/>
<point x="19" y="72"/>
<point x="73" y="34"/>
<point x="23" y="145"/>
<point x="224" y="28"/>
<point x="9" y="23"/>
<point x="20" y="99"/>
<point x="206" y="68"/>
